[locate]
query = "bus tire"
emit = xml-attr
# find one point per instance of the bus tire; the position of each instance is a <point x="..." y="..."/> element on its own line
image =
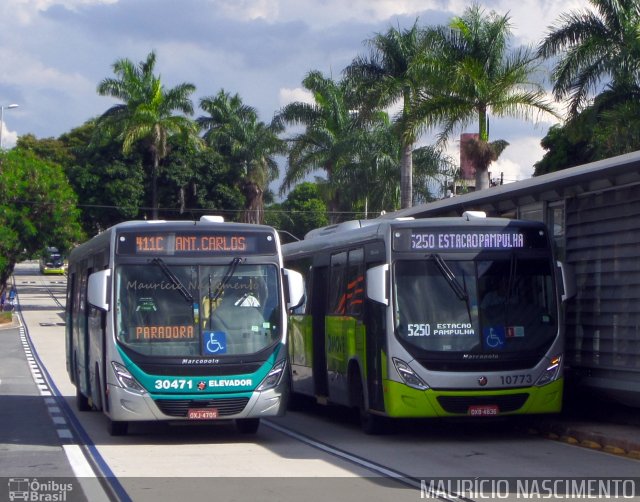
<point x="293" y="398"/>
<point x="97" y="402"/>
<point x="247" y="425"/>
<point x="369" y="422"/>
<point x="118" y="428"/>
<point x="82" y="401"/>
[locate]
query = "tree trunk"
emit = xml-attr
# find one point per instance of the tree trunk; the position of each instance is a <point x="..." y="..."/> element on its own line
<point x="254" y="205"/>
<point x="482" y="177"/>
<point x="154" y="184"/>
<point x="406" y="177"/>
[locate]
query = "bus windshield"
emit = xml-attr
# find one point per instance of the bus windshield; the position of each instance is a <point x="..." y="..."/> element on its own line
<point x="205" y="310"/>
<point x="474" y="306"/>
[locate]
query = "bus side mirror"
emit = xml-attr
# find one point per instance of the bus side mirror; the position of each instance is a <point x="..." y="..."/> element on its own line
<point x="568" y="281"/>
<point x="294" y="288"/>
<point x="377" y="284"/>
<point x="98" y="288"/>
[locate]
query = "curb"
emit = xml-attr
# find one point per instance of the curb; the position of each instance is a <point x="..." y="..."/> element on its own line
<point x="620" y="445"/>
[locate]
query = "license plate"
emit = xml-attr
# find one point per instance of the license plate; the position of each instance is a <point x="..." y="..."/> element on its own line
<point x="488" y="410"/>
<point x="202" y="413"/>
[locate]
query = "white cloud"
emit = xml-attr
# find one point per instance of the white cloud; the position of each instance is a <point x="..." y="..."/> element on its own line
<point x="286" y="96"/>
<point x="54" y="52"/>
<point x="516" y="162"/>
<point x="25" y="11"/>
<point x="9" y="138"/>
<point x="249" y="10"/>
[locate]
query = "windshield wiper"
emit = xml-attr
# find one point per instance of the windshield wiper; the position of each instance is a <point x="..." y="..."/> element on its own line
<point x="458" y="289"/>
<point x="223" y="282"/>
<point x="448" y="274"/>
<point x="174" y="279"/>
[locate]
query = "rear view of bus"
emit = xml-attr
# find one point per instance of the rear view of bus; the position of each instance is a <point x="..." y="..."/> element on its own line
<point x="179" y="321"/>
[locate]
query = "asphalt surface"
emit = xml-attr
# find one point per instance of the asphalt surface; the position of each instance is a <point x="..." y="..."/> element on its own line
<point x="591" y="423"/>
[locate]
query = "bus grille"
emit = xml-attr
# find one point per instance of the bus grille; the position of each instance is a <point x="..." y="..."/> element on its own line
<point x="163" y="368"/>
<point x="180" y="407"/>
<point x="461" y="404"/>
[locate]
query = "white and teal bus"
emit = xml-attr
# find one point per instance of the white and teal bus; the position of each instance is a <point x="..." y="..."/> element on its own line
<point x="180" y="321"/>
<point x="441" y="317"/>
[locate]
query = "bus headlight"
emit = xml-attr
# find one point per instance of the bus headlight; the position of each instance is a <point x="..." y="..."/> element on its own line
<point x="126" y="379"/>
<point x="552" y="372"/>
<point x="408" y="376"/>
<point x="273" y="377"/>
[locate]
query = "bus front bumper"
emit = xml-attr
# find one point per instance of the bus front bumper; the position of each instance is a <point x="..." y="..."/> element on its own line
<point x="403" y="401"/>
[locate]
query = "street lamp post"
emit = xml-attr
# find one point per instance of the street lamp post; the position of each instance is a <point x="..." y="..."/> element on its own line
<point x="2" y="119"/>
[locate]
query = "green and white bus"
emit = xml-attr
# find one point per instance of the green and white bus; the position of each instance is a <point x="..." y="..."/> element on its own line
<point x="180" y="321"/>
<point x="441" y="317"/>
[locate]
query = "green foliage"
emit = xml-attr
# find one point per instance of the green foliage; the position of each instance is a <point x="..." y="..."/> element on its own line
<point x="146" y="115"/>
<point x="197" y="182"/>
<point x="247" y="145"/>
<point x="54" y="150"/>
<point x="610" y="126"/>
<point x="144" y="158"/>
<point x="302" y="211"/>
<point x="110" y="186"/>
<point x="37" y="207"/>
<point x="482" y="75"/>
<point x="387" y="76"/>
<point x="591" y="46"/>
<point x="564" y="148"/>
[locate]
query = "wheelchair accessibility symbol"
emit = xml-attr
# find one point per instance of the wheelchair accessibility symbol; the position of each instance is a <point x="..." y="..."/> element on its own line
<point x="215" y="342"/>
<point x="494" y="337"/>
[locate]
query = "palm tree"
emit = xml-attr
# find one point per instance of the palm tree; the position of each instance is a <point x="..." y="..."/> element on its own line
<point x="233" y="129"/>
<point x="328" y="140"/>
<point x="370" y="181"/>
<point x="596" y="45"/>
<point x="386" y="77"/>
<point x="483" y="77"/>
<point x="146" y="114"/>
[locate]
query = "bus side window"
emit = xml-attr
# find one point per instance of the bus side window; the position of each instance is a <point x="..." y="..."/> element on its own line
<point x="337" y="290"/>
<point x="355" y="282"/>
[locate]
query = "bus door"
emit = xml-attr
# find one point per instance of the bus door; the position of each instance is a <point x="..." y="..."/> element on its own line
<point x="374" y="318"/>
<point x="81" y="337"/>
<point x="320" y="284"/>
<point x="345" y="330"/>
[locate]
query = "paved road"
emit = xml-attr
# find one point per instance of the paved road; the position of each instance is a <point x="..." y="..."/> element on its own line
<point x="36" y="454"/>
<point x="154" y="463"/>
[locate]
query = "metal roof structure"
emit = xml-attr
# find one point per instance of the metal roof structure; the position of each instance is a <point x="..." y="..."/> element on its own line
<point x="571" y="182"/>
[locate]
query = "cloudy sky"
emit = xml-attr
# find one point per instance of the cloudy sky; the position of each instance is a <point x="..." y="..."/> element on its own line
<point x="53" y="53"/>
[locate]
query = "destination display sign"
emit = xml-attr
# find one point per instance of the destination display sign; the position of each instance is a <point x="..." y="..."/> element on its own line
<point x="194" y="243"/>
<point x="477" y="239"/>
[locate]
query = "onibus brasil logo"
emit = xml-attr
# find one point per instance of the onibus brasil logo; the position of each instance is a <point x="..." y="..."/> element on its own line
<point x="38" y="491"/>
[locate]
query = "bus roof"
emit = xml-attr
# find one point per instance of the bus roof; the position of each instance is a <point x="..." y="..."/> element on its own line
<point x="348" y="232"/>
<point x="104" y="238"/>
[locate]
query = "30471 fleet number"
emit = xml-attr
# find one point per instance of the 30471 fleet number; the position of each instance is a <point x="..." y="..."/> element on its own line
<point x="173" y="384"/>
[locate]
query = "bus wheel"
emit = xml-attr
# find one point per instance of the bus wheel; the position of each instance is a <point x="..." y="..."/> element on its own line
<point x="82" y="401"/>
<point x="370" y="423"/>
<point x="118" y="428"/>
<point x="97" y="402"/>
<point x="293" y="398"/>
<point x="247" y="425"/>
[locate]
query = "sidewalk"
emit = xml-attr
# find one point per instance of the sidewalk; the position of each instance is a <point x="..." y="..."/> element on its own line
<point x="15" y="322"/>
<point x="593" y="423"/>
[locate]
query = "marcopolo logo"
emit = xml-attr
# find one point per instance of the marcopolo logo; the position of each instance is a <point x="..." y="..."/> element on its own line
<point x="38" y="490"/>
